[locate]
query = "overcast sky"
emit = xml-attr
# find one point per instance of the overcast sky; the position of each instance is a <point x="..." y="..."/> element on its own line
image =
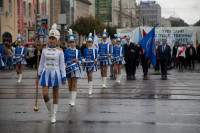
<point x="188" y="10"/>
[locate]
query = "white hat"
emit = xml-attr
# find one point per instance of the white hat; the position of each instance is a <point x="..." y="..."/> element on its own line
<point x="54" y="32"/>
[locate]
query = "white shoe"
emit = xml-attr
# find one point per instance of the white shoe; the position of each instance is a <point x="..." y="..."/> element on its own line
<point x="119" y="77"/>
<point x="90" y="87"/>
<point x="73" y="98"/>
<point x="116" y="77"/>
<point x="70" y="98"/>
<point x="54" y="111"/>
<point x="20" y="78"/>
<point x="104" y="80"/>
<point x="48" y="104"/>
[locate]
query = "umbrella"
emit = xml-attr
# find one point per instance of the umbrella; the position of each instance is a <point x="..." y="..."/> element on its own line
<point x="29" y="43"/>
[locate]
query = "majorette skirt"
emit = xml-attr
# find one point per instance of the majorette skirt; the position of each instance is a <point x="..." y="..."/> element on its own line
<point x="1" y="62"/>
<point x="75" y="74"/>
<point x="122" y="61"/>
<point x="87" y="69"/>
<point x="105" y="63"/>
<point x="51" y="78"/>
<point x="23" y="62"/>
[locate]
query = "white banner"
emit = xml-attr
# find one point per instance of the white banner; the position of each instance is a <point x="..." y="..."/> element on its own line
<point x="181" y="34"/>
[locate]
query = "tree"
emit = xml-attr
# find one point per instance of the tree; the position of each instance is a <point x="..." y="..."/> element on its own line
<point x="197" y="23"/>
<point x="112" y="31"/>
<point x="85" y="25"/>
<point x="178" y="23"/>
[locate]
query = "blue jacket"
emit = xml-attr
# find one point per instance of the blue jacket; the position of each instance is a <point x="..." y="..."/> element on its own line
<point x="1" y="51"/>
<point x="89" y="55"/>
<point x="104" y="49"/>
<point x="116" y="51"/>
<point x="71" y="55"/>
<point x="18" y="51"/>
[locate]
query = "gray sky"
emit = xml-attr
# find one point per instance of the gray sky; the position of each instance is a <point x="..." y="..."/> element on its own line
<point x="188" y="10"/>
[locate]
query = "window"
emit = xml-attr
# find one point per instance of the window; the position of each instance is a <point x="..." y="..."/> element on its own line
<point x="10" y="7"/>
<point x="30" y="10"/>
<point x="1" y="6"/>
<point x="24" y="8"/>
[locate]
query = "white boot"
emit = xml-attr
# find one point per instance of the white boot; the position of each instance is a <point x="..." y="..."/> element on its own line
<point x="104" y="80"/>
<point x="73" y="98"/>
<point x="116" y="77"/>
<point x="90" y="87"/>
<point x="48" y="104"/>
<point x="20" y="78"/>
<point x="54" y="111"/>
<point x="70" y="98"/>
<point x="119" y="77"/>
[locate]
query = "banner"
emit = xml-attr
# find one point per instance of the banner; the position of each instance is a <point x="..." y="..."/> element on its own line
<point x="181" y="34"/>
<point x="20" y="17"/>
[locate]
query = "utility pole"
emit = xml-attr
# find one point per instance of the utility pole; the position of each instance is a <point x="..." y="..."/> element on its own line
<point x="120" y="13"/>
<point x="63" y="24"/>
<point x="51" y="13"/>
<point x="97" y="8"/>
<point x="131" y="18"/>
<point x="108" y="16"/>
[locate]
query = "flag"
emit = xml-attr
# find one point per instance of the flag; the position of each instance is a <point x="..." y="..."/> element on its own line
<point x="149" y="46"/>
<point x="144" y="33"/>
<point x="140" y="35"/>
<point x="193" y="38"/>
<point x="96" y="40"/>
<point x="171" y="39"/>
<point x="197" y="43"/>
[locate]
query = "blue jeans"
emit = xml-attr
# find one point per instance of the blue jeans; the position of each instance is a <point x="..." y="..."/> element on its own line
<point x="10" y="62"/>
<point x="5" y="61"/>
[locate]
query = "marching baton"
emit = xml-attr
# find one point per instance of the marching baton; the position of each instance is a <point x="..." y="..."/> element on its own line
<point x="36" y="96"/>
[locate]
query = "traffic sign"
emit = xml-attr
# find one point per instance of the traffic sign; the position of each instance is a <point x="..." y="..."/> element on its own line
<point x="41" y="32"/>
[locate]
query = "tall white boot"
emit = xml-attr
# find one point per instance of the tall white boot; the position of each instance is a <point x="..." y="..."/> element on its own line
<point x="116" y="77"/>
<point x="104" y="80"/>
<point x="54" y="111"/>
<point x="70" y="98"/>
<point x="119" y="77"/>
<point x="73" y="98"/>
<point x="20" y="78"/>
<point x="48" y="104"/>
<point x="90" y="87"/>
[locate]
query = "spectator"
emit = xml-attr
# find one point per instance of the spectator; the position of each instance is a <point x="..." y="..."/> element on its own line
<point x="10" y="55"/>
<point x="83" y="47"/>
<point x="5" y="55"/>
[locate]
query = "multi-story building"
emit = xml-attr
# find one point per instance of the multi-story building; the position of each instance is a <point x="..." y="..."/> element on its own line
<point x="149" y="13"/>
<point x="116" y="12"/>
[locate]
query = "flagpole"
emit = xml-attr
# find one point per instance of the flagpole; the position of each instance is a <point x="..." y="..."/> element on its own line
<point x="156" y="25"/>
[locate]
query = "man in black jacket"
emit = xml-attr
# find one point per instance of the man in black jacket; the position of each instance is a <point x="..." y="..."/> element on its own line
<point x="164" y="54"/>
<point x="174" y="52"/>
<point x="190" y="54"/>
<point x="131" y="56"/>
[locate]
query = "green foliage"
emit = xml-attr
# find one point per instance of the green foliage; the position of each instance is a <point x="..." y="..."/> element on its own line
<point x="197" y="23"/>
<point x="178" y="23"/>
<point x="85" y="25"/>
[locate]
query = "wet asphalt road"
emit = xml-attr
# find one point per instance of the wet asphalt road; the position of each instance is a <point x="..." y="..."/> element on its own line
<point x="133" y="106"/>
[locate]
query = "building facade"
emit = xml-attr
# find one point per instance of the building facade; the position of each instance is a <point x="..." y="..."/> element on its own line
<point x="149" y="13"/>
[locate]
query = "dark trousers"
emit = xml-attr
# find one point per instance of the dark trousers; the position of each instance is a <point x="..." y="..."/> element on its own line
<point x="181" y="62"/>
<point x="130" y="67"/>
<point x="32" y="62"/>
<point x="163" y="64"/>
<point x="157" y="68"/>
<point x="191" y="61"/>
<point x="144" y="61"/>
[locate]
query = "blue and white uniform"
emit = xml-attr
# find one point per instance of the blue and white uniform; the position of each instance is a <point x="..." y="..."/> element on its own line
<point x="118" y="51"/>
<point x="18" y="52"/>
<point x="70" y="56"/>
<point x="90" y="54"/>
<point x="104" y="50"/>
<point x="52" y="67"/>
<point x="1" y="54"/>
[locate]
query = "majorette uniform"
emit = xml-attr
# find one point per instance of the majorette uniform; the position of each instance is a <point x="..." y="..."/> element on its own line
<point x="90" y="54"/>
<point x="103" y="51"/>
<point x="52" y="69"/>
<point x="118" y="51"/>
<point x="1" y="54"/>
<point x="70" y="55"/>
